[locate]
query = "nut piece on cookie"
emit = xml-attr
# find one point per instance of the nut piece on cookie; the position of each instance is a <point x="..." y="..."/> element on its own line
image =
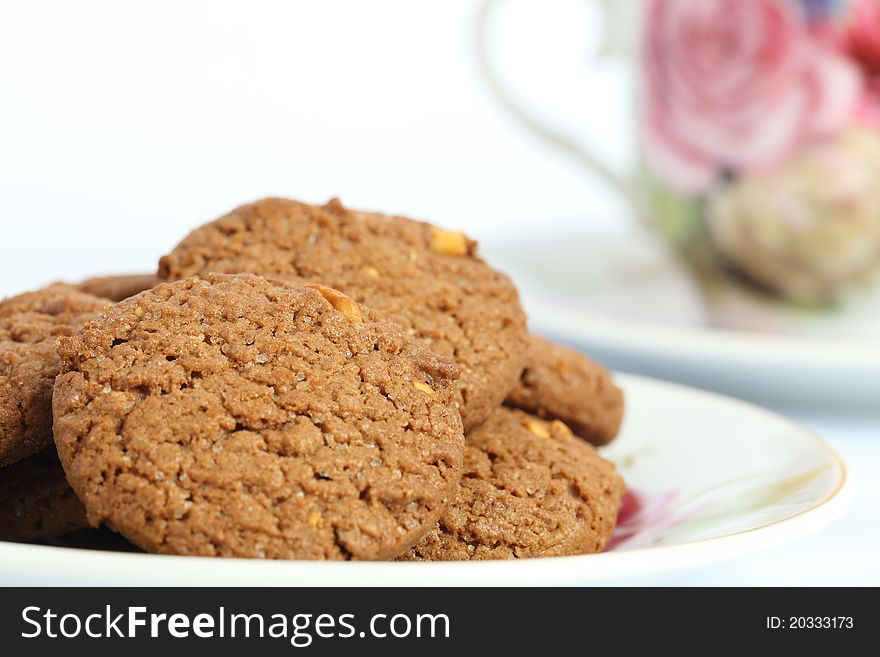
<point x="449" y="242"/>
<point x="526" y="493"/>
<point x="560" y="383"/>
<point x="173" y="437"/>
<point x="536" y="426"/>
<point x="344" y="304"/>
<point x="29" y="326"/>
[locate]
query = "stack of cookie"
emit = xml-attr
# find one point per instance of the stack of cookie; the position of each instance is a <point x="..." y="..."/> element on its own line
<point x="304" y="382"/>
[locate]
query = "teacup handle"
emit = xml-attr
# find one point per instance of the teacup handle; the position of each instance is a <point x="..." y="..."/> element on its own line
<point x="565" y="142"/>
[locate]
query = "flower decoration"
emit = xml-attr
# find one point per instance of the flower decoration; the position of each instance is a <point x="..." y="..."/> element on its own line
<point x="736" y="86"/>
<point x="862" y="35"/>
<point x="766" y="114"/>
<point x="812" y="226"/>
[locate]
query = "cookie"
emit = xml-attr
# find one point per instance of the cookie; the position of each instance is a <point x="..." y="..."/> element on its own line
<point x="36" y="502"/>
<point x="118" y="287"/>
<point x="29" y="325"/>
<point x="559" y="383"/>
<point x="529" y="489"/>
<point x="428" y="280"/>
<point x="237" y="416"/>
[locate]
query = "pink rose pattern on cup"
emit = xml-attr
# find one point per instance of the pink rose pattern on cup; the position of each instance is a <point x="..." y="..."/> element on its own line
<point x="861" y="40"/>
<point x="735" y="91"/>
<point x="736" y="85"/>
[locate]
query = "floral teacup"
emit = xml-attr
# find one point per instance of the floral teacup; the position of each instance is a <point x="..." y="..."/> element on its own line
<point x="759" y="126"/>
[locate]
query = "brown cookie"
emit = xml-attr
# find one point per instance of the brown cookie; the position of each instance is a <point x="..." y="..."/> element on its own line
<point x="560" y="383"/>
<point x="428" y="280"/>
<point x="530" y="489"/>
<point x="36" y="502"/>
<point x="29" y="325"/>
<point x="236" y="416"/>
<point x="118" y="287"/>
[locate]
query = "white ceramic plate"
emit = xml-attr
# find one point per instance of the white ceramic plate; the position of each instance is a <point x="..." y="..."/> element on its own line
<point x="710" y="477"/>
<point x="797" y="371"/>
<point x="633" y="307"/>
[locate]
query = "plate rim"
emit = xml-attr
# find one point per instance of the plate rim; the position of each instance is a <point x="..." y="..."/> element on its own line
<point x="586" y="327"/>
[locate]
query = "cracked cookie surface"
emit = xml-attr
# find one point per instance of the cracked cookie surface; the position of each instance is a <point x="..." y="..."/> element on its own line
<point x="529" y="488"/>
<point x="428" y="280"/>
<point x="559" y="383"/>
<point x="237" y="416"/>
<point x="29" y="326"/>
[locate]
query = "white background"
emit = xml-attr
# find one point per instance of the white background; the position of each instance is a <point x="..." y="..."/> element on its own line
<point x="125" y="125"/>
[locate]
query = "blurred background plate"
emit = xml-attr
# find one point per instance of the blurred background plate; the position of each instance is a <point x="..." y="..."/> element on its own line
<point x="710" y="478"/>
<point x="630" y="304"/>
